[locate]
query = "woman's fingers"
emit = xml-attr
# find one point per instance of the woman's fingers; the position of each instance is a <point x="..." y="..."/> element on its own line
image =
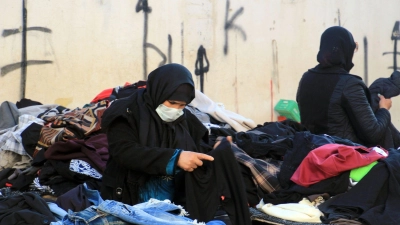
<point x="189" y="161"/>
<point x="202" y="156"/>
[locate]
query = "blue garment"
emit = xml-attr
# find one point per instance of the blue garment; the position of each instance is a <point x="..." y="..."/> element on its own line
<point x="91" y="216"/>
<point x="92" y="196"/>
<point x="158" y="187"/>
<point x="215" y="222"/>
<point x="117" y="213"/>
<point x="57" y="211"/>
<point x="161" y="187"/>
<point x="152" y="212"/>
<point x="172" y="162"/>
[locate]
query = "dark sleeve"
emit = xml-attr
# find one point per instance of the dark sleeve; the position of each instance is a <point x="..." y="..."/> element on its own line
<point x="370" y="127"/>
<point x="125" y="149"/>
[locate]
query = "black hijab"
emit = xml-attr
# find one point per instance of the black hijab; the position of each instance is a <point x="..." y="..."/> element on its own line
<point x="141" y="106"/>
<point x="163" y="81"/>
<point x="336" y="49"/>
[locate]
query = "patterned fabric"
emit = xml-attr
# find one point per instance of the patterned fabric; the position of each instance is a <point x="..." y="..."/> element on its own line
<point x="76" y="123"/>
<point x="264" y="171"/>
<point x="41" y="189"/>
<point x="11" y="140"/>
<point x="82" y="167"/>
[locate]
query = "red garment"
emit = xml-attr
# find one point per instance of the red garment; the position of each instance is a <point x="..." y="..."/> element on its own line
<point x="332" y="159"/>
<point x="102" y="95"/>
<point x="105" y="94"/>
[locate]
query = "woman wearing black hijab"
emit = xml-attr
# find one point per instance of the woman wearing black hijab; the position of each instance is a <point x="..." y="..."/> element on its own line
<point x="332" y="101"/>
<point x="153" y="139"/>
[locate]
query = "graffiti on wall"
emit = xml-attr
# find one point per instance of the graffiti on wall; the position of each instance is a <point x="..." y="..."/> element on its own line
<point x="24" y="62"/>
<point x="200" y="69"/>
<point x="365" y="44"/>
<point x="395" y="37"/>
<point x="143" y="5"/>
<point x="230" y="25"/>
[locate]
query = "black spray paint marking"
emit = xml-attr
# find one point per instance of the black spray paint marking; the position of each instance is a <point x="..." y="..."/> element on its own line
<point x="169" y="48"/>
<point x="200" y="69"/>
<point x="23" y="55"/>
<point x="24" y="62"/>
<point x="11" y="67"/>
<point x="182" y="45"/>
<point x="143" y="5"/>
<point x="9" y="32"/>
<point x="395" y="37"/>
<point x="164" y="60"/>
<point x="366" y="61"/>
<point x="229" y="24"/>
<point x="338" y="16"/>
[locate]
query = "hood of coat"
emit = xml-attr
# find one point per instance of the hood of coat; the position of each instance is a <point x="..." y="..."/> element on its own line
<point x="164" y="81"/>
<point x="336" y="49"/>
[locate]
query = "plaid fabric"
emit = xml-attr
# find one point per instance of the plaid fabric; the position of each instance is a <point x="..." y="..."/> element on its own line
<point x="11" y="140"/>
<point x="264" y="171"/>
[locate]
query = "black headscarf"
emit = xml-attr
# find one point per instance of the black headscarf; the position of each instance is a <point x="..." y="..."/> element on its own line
<point x="141" y="106"/>
<point x="161" y="84"/>
<point x="336" y="49"/>
<point x="164" y="81"/>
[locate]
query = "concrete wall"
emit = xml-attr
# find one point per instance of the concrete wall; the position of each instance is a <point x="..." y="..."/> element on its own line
<point x="257" y="50"/>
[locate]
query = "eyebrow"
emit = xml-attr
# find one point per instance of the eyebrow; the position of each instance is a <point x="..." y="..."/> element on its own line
<point x="175" y="102"/>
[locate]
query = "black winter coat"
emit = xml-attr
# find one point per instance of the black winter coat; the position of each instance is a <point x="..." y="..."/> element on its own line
<point x="334" y="102"/>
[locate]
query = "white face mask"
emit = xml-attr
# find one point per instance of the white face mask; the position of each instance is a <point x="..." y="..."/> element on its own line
<point x="168" y="114"/>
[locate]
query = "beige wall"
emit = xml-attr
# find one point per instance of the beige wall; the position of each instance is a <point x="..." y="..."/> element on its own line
<point x="77" y="48"/>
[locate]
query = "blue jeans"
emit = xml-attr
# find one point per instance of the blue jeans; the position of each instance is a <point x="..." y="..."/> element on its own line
<point x="91" y="216"/>
<point x="117" y="213"/>
<point x="151" y="212"/>
<point x="58" y="212"/>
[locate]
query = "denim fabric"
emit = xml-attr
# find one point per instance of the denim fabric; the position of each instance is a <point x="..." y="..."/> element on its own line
<point x="165" y="206"/>
<point x="92" y="195"/>
<point x="215" y="222"/>
<point x="91" y="216"/>
<point x="117" y="213"/>
<point x="57" y="211"/>
<point x="57" y="223"/>
<point x="146" y="213"/>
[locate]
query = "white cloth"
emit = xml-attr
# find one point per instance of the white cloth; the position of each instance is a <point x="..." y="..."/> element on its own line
<point x="218" y="112"/>
<point x="35" y="110"/>
<point x="298" y="212"/>
<point x="11" y="140"/>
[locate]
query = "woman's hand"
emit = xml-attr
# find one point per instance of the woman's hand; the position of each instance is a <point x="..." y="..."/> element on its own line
<point x="188" y="161"/>
<point x="229" y="138"/>
<point x="385" y="102"/>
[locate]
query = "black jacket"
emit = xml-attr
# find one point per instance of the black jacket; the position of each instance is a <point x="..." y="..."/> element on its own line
<point x="332" y="101"/>
<point x="338" y="104"/>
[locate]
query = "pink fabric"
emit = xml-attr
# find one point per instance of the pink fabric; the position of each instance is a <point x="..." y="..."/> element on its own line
<point x="332" y="159"/>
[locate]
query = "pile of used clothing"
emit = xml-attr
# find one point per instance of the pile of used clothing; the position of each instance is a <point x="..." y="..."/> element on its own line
<point x="52" y="159"/>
